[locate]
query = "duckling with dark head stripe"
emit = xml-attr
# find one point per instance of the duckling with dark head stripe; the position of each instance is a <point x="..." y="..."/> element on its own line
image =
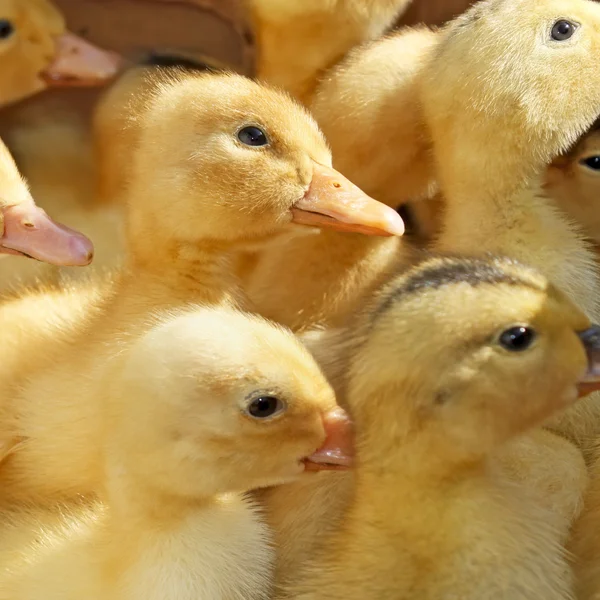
<point x="431" y="516"/>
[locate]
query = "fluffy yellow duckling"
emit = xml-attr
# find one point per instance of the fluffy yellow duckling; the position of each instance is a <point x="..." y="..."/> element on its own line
<point x="38" y="52"/>
<point x="430" y="516"/>
<point x="27" y="230"/>
<point x="298" y="40"/>
<point x="222" y="163"/>
<point x="191" y="413"/>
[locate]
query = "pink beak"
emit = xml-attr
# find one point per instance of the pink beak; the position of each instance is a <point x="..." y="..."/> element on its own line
<point x="338" y="450"/>
<point x="29" y="231"/>
<point x="334" y="202"/>
<point x="79" y="63"/>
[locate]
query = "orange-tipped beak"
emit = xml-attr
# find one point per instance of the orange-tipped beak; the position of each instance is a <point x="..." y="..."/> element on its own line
<point x="29" y="231"/>
<point x="338" y="450"/>
<point x="79" y="63"/>
<point x="335" y="202"/>
<point x="591" y="380"/>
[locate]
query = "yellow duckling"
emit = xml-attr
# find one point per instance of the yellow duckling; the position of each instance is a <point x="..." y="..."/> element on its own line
<point x="191" y="413"/>
<point x="430" y="515"/>
<point x="37" y="52"/>
<point x="222" y="163"/>
<point x="297" y="41"/>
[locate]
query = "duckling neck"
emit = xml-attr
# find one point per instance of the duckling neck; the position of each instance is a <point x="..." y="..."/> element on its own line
<point x="186" y="271"/>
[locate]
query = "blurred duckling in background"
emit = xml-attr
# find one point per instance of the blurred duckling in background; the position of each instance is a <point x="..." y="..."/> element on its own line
<point x="298" y="40"/>
<point x="27" y="230"/>
<point x="38" y="52"/>
<point x="573" y="180"/>
<point x="192" y="411"/>
<point x="430" y="515"/>
<point x="240" y="166"/>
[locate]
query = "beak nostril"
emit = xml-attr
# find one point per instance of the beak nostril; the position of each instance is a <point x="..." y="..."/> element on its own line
<point x="28" y="224"/>
<point x="337" y="184"/>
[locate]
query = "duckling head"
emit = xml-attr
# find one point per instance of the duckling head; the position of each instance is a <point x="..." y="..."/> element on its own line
<point x="25" y="228"/>
<point x="458" y="355"/>
<point x="223" y="158"/>
<point x="36" y="52"/>
<point x="213" y="401"/>
<point x="523" y="74"/>
<point x="573" y="181"/>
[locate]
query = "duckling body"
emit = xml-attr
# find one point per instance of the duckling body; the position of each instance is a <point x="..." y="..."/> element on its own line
<point x="173" y="522"/>
<point x="180" y="253"/>
<point x="298" y="41"/>
<point x="430" y="515"/>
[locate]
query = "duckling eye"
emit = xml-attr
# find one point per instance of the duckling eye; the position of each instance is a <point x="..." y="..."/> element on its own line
<point x="563" y="30"/>
<point x="6" y="29"/>
<point x="252" y="136"/>
<point x="592" y="162"/>
<point x="517" y="339"/>
<point x="264" y="407"/>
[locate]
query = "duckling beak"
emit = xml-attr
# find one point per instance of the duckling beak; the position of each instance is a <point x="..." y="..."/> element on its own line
<point x="338" y="450"/>
<point x="335" y="202"/>
<point x="591" y="380"/>
<point x="79" y="63"/>
<point x="29" y="231"/>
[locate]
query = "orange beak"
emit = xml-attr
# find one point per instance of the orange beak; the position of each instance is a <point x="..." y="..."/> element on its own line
<point x="591" y="380"/>
<point x="335" y="202"/>
<point x="79" y="63"/>
<point x="338" y="450"/>
<point x="29" y="231"/>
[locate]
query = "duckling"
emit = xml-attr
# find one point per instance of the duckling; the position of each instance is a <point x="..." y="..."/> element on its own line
<point x="239" y="164"/>
<point x="37" y="52"/>
<point x="216" y="391"/>
<point x="572" y="179"/>
<point x="297" y="41"/>
<point x="27" y="230"/>
<point x="430" y="516"/>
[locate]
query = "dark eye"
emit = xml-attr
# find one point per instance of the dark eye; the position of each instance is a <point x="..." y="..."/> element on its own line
<point x="265" y="407"/>
<point x="517" y="339"/>
<point x="252" y="136"/>
<point x="563" y="30"/>
<point x="6" y="29"/>
<point x="592" y="162"/>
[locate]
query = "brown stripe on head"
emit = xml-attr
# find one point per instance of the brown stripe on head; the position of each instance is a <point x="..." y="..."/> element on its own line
<point x="434" y="273"/>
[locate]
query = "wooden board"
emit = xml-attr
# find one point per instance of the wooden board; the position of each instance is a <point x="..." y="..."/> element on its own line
<point x="215" y="28"/>
<point x="433" y="12"/>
